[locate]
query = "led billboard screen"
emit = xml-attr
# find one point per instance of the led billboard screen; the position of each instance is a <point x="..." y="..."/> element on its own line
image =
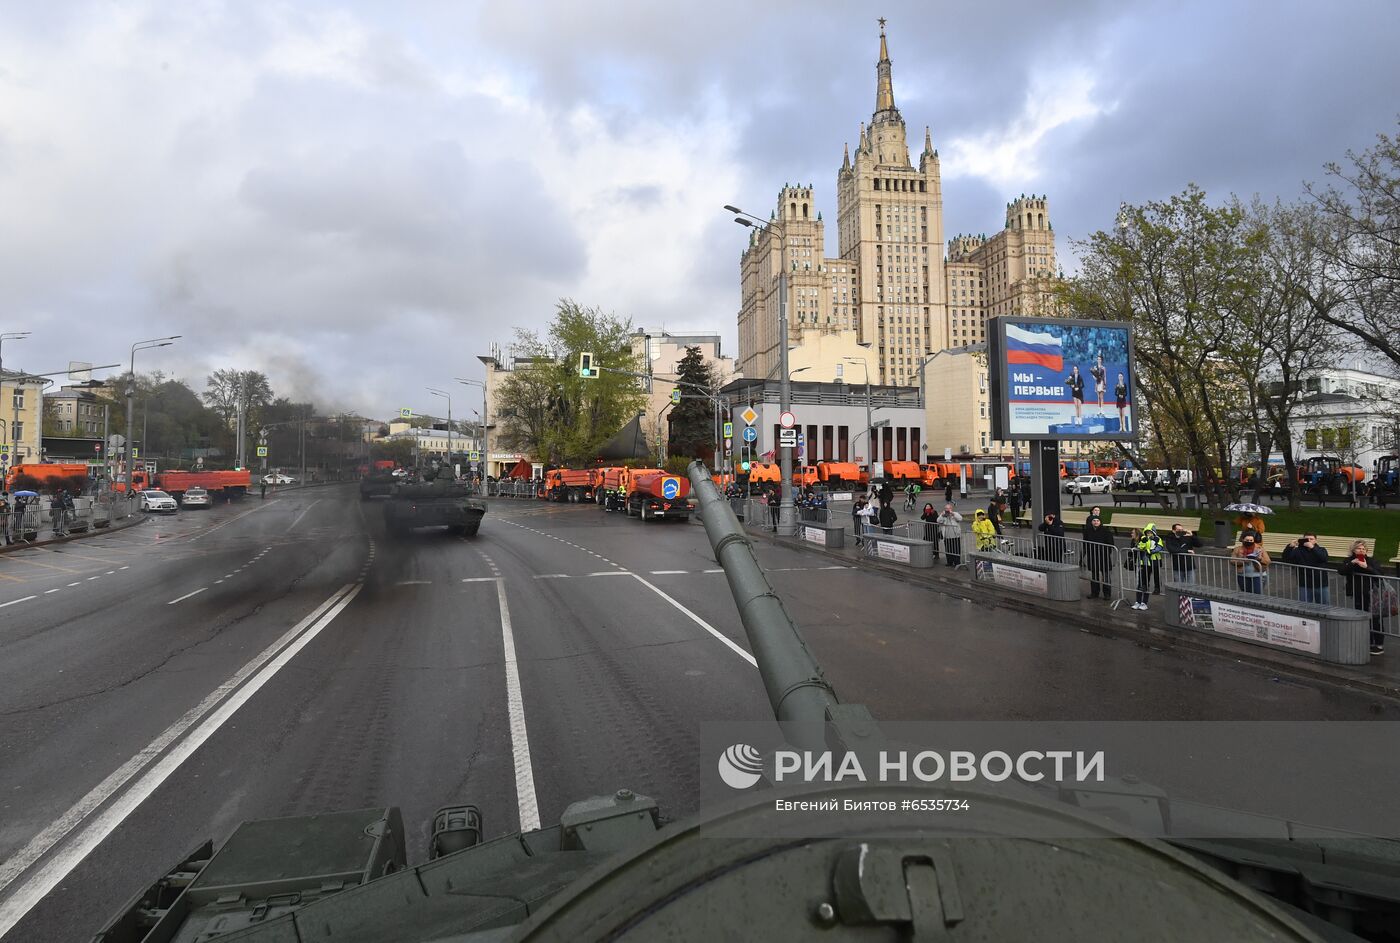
<point x="1056" y="378"/>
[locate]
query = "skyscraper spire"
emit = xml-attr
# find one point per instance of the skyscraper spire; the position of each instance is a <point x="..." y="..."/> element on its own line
<point x="884" y="89"/>
<point x="928" y="141"/>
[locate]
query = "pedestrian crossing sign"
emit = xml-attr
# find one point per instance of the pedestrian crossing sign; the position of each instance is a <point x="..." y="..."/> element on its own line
<point x="262" y="451"/>
<point x="473" y="456"/>
<point x="405" y="413"/>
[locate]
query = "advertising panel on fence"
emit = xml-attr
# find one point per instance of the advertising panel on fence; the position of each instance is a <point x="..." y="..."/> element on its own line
<point x="1026" y="581"/>
<point x="1254" y="625"/>
<point x="815" y="534"/>
<point x="1058" y="378"/>
<point x="892" y="551"/>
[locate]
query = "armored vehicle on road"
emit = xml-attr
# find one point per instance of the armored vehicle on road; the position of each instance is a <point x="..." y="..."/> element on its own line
<point x="433" y="499"/>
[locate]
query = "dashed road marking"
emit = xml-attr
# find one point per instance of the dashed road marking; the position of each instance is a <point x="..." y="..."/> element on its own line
<point x="187" y="596"/>
<point x="19" y="600"/>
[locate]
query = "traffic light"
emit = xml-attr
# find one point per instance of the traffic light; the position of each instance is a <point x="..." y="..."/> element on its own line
<point x="585" y="366"/>
<point x="744" y="466"/>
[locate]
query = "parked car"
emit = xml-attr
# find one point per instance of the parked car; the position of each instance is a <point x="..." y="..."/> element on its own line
<point x="278" y="479"/>
<point x="1129" y="478"/>
<point x="1089" y="484"/>
<point x="196" y="498"/>
<point x="152" y="500"/>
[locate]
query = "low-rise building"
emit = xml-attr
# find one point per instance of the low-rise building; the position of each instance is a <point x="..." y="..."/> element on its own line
<point x="1342" y="413"/>
<point x="21" y="405"/>
<point x="831" y="419"/>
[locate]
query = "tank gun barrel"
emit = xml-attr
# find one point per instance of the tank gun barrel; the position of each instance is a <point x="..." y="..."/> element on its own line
<point x="791" y="676"/>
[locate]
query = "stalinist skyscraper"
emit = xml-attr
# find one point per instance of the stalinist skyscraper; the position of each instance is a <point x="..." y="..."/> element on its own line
<point x="892" y="283"/>
<point x="890" y="218"/>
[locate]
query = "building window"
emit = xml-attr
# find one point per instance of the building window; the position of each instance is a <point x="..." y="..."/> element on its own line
<point x="16" y="430"/>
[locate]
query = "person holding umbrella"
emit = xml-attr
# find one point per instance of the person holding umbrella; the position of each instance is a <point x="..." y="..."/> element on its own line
<point x="20" y="506"/>
<point x="1251" y="519"/>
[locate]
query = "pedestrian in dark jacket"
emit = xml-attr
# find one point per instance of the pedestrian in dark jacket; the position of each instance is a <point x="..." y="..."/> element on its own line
<point x="1312" y="562"/>
<point x="887" y="517"/>
<point x="774" y="504"/>
<point x="948" y="492"/>
<point x="994" y="513"/>
<point x="1181" y="544"/>
<point x="1014" y="499"/>
<point x="1052" y="541"/>
<point x="1100" y="551"/>
<point x="1364" y="586"/>
<point x="930" y="519"/>
<point x="856" y="521"/>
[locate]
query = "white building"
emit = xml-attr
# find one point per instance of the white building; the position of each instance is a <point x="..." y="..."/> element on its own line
<point x="1349" y="414"/>
<point x="831" y="418"/>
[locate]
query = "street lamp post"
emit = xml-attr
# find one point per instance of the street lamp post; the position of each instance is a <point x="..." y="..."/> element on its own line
<point x="449" y="422"/>
<point x="131" y="397"/>
<point x="787" y="517"/>
<point x="869" y="428"/>
<point x="485" y="453"/>
<point x="11" y="336"/>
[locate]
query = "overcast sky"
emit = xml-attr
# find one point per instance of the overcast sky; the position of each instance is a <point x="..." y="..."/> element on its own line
<point x="359" y="199"/>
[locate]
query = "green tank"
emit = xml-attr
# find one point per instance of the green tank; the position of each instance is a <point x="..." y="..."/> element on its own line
<point x="612" y="868"/>
<point x="377" y="484"/>
<point x="433" y="500"/>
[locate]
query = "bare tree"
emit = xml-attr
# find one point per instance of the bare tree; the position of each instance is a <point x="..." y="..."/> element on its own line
<point x="1360" y="241"/>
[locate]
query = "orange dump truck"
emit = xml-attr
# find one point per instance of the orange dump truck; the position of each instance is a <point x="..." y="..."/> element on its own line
<point x="841" y="476"/>
<point x="763" y="474"/>
<point x="219" y="484"/>
<point x="654" y="493"/>
<point x="45" y="477"/>
<point x="569" y="484"/>
<point x="904" y="472"/>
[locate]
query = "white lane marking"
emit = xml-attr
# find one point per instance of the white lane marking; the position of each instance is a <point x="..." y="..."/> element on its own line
<point x="110" y="572"/>
<point x="552" y="576"/>
<point x="18" y="905"/>
<point x="303" y="514"/>
<point x="20" y="599"/>
<point x="668" y="572"/>
<point x="699" y="621"/>
<point x="54" y="590"/>
<point x="414" y="583"/>
<point x="91" y="578"/>
<point x="237" y="517"/>
<point x="837" y="567"/>
<point x="123" y="567"/>
<point x="229" y="576"/>
<point x="216" y="582"/>
<point x="712" y="571"/>
<point x="612" y="573"/>
<point x="519" y="738"/>
<point x="480" y="579"/>
<point x="187" y="596"/>
<point x="77" y="583"/>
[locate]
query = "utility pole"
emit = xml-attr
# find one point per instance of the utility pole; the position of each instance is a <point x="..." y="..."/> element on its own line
<point x="131" y="401"/>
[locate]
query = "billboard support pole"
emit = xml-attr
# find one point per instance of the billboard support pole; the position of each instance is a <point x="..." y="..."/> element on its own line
<point x="1045" y="477"/>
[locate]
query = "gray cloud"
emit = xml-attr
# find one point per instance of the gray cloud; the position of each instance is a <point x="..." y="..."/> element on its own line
<point x="359" y="199"/>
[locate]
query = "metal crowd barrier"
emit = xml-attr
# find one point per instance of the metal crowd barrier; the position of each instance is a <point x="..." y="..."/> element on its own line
<point x="1379" y="595"/>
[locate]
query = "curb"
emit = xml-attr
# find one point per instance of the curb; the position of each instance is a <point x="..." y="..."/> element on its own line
<point x="1112" y="627"/>
<point x="132" y="521"/>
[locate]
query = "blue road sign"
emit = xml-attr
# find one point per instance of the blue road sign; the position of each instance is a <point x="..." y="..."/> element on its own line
<point x="750" y="434"/>
<point x="670" y="488"/>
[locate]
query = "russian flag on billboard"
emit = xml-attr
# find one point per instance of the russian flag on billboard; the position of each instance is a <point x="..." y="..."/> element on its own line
<point x="1028" y="347"/>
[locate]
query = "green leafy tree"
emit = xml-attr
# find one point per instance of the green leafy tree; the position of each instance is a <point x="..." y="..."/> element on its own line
<point x="1180" y="271"/>
<point x="692" y="420"/>
<point x="547" y="409"/>
<point x="400" y="451"/>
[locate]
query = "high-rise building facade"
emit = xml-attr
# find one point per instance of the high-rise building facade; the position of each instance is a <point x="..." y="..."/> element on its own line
<point x="891" y="281"/>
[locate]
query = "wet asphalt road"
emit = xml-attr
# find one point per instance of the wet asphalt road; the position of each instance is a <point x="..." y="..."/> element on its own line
<point x="373" y="672"/>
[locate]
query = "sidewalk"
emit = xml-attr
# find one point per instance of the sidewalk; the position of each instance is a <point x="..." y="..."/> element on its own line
<point x="47" y="536"/>
<point x="1381" y="677"/>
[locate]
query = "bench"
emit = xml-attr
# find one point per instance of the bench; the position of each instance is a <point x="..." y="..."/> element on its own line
<point x="1163" y="522"/>
<point x="1076" y="517"/>
<point x="1140" y="498"/>
<point x="1338" y="548"/>
<point x="1342" y="635"/>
